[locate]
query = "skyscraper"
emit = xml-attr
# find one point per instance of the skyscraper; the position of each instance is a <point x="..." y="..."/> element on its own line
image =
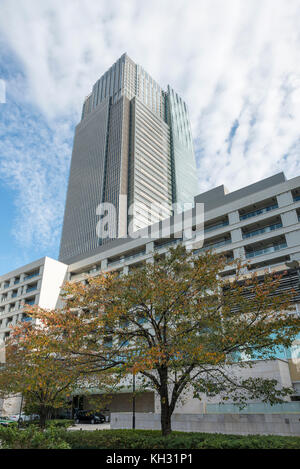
<point x="134" y="141"/>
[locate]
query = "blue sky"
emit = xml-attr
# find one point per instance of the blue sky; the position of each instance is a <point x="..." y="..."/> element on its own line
<point x="236" y="63"/>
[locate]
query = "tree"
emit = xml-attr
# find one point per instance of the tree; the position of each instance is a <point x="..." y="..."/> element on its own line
<point x="179" y="323"/>
<point x="33" y="371"/>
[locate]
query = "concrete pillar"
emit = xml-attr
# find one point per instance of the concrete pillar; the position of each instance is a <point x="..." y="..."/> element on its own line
<point x="285" y="199"/>
<point x="233" y="217"/>
<point x="150" y="260"/>
<point x="104" y="263"/>
<point x="239" y="253"/>
<point x="236" y="235"/>
<point x="150" y="247"/>
<point x="292" y="239"/>
<point x="289" y="218"/>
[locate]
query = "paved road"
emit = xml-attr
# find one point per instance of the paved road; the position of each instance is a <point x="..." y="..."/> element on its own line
<point x="89" y="427"/>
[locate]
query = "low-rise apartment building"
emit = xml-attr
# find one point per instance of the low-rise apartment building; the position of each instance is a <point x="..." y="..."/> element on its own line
<point x="37" y="283"/>
<point x="259" y="223"/>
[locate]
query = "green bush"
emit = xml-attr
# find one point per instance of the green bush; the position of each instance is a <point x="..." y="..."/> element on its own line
<point x="149" y="439"/>
<point x="60" y="423"/>
<point x="55" y="423"/>
<point x="31" y="438"/>
<point x="60" y="438"/>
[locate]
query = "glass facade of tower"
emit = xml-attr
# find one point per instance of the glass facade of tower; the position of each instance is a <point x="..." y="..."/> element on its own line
<point x="185" y="181"/>
<point x="134" y="140"/>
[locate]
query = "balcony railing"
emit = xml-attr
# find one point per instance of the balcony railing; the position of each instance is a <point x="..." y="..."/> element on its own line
<point x="266" y="250"/>
<point x="26" y="319"/>
<point x="115" y="262"/>
<point x="266" y="229"/>
<point x="30" y="289"/>
<point x="30" y="302"/>
<point x="29" y="276"/>
<point x="296" y="198"/>
<point x="133" y="256"/>
<point x="214" y="245"/>
<point x="215" y="227"/>
<point x="173" y="241"/>
<point x="259" y="211"/>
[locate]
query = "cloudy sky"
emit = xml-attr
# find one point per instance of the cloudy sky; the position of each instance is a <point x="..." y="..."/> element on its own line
<point x="235" y="62"/>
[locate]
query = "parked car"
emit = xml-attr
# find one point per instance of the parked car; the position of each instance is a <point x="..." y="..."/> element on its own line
<point x="23" y="418"/>
<point x="88" y="416"/>
<point x="6" y="421"/>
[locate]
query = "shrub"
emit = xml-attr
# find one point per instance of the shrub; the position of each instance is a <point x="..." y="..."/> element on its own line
<point x="31" y="438"/>
<point x="151" y="439"/>
<point x="59" y="423"/>
<point x="60" y="438"/>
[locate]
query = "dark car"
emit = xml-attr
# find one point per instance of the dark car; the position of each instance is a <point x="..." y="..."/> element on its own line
<point x="87" y="416"/>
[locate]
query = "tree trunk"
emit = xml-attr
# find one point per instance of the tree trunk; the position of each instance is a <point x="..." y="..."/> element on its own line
<point x="165" y="417"/>
<point x="43" y="417"/>
<point x="164" y="403"/>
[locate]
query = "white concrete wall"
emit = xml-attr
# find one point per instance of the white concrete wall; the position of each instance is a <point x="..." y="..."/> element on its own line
<point x="54" y="275"/>
<point x="11" y="405"/>
<point x="237" y="424"/>
<point x="268" y="369"/>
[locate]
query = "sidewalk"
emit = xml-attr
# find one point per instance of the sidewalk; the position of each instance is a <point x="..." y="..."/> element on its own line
<point x="89" y="427"/>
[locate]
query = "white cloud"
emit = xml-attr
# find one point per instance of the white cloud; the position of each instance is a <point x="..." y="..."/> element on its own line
<point x="34" y="162"/>
<point x="233" y="61"/>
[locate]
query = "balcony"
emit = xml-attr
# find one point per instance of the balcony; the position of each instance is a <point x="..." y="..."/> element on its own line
<point x="31" y="288"/>
<point x="30" y="301"/>
<point x="216" y="226"/>
<point x="134" y="255"/>
<point x="266" y="250"/>
<point x="296" y="198"/>
<point x="259" y="211"/>
<point x="265" y="229"/>
<point x="26" y="319"/>
<point x="167" y="244"/>
<point x="31" y="275"/>
<point x="215" y="245"/>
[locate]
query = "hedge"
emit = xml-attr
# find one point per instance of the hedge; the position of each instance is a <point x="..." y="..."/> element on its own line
<point x="32" y="438"/>
<point x="59" y="438"/>
<point x="151" y="439"/>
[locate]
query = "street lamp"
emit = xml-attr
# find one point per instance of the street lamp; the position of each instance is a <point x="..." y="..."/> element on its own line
<point x="133" y="401"/>
<point x="20" y="411"/>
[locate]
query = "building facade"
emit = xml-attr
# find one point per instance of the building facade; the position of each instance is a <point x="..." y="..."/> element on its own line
<point x="133" y="149"/>
<point x="37" y="283"/>
<point x="259" y="223"/>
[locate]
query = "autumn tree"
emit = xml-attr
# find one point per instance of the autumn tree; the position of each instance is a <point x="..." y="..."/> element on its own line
<point x="180" y="324"/>
<point x="32" y="370"/>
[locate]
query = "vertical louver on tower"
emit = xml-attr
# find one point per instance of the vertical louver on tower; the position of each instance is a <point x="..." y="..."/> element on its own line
<point x="134" y="140"/>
